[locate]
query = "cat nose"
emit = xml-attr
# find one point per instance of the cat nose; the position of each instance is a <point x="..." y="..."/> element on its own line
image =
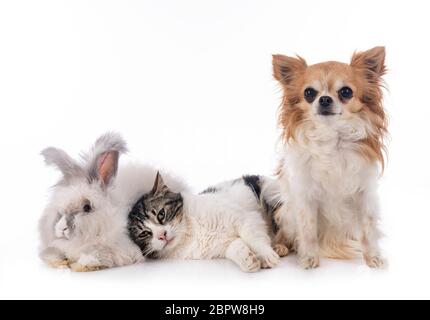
<point x="162" y="236"/>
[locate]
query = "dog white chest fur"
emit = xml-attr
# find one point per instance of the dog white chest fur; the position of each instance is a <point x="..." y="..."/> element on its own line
<point x="330" y="193"/>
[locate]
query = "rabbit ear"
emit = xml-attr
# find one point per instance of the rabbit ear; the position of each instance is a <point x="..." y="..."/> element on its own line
<point x="106" y="167"/>
<point x="103" y="159"/>
<point x="60" y="159"/>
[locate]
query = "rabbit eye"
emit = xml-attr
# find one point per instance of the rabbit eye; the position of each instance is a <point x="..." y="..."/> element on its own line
<point x="87" y="208"/>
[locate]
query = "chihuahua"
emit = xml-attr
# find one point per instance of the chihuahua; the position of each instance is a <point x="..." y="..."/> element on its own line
<point x="333" y="127"/>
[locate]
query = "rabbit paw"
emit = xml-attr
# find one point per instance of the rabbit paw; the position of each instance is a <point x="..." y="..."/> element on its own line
<point x="88" y="263"/>
<point x="59" y="264"/>
<point x="77" y="267"/>
<point x="55" y="258"/>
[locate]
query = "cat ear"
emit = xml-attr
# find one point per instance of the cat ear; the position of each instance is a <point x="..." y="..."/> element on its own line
<point x="371" y="63"/>
<point x="286" y="69"/>
<point x="159" y="185"/>
<point x="63" y="162"/>
<point x="102" y="161"/>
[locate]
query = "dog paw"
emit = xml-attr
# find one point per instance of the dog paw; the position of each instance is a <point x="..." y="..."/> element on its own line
<point x="250" y="263"/>
<point x="59" y="264"/>
<point x="376" y="262"/>
<point x="310" y="262"/>
<point x="270" y="260"/>
<point x="77" y="267"/>
<point x="281" y="250"/>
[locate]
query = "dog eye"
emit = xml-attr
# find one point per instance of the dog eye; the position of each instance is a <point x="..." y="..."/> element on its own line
<point x="87" y="208"/>
<point x="346" y="93"/>
<point x="310" y="94"/>
<point x="161" y="215"/>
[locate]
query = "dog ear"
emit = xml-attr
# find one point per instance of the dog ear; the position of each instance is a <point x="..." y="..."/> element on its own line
<point x="63" y="162"/>
<point x="102" y="161"/>
<point x="286" y="69"/>
<point x="371" y="63"/>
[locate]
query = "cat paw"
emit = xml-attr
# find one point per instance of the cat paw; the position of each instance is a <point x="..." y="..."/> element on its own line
<point x="250" y="263"/>
<point x="77" y="267"/>
<point x="376" y="262"/>
<point x="281" y="249"/>
<point x="270" y="260"/>
<point x="310" y="262"/>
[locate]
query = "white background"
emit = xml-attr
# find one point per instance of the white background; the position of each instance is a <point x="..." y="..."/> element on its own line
<point x="189" y="85"/>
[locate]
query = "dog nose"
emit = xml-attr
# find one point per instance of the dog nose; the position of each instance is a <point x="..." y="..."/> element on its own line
<point x="326" y="101"/>
<point x="162" y="236"/>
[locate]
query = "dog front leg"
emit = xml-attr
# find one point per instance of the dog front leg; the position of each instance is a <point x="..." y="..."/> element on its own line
<point x="370" y="233"/>
<point x="308" y="246"/>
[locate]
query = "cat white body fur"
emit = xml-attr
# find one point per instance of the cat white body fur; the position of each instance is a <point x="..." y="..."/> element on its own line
<point x="225" y="224"/>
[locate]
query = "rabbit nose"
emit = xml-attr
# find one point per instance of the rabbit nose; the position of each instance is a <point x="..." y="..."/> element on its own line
<point x="162" y="236"/>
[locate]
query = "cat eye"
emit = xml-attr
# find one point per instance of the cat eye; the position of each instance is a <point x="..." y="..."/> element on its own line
<point x="346" y="93"/>
<point x="87" y="208"/>
<point x="161" y="215"/>
<point x="310" y="94"/>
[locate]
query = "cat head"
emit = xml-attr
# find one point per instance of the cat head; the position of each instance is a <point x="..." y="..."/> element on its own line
<point x="81" y="202"/>
<point x="156" y="221"/>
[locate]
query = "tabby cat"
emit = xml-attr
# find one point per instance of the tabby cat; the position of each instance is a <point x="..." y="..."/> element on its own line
<point x="232" y="220"/>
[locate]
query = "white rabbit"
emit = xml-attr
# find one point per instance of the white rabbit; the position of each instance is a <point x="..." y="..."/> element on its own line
<point x="84" y="226"/>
